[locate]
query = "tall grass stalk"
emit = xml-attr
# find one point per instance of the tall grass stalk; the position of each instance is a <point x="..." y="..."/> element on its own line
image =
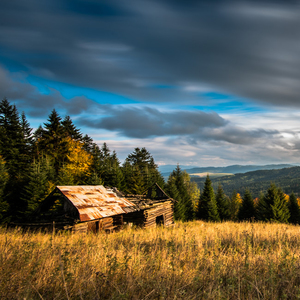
<point x="193" y="260"/>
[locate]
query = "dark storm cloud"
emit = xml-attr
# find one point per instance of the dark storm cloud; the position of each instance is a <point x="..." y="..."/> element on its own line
<point x="149" y="122"/>
<point x="16" y="89"/>
<point x="196" y="127"/>
<point x="239" y="136"/>
<point x="133" y="122"/>
<point x="249" y="48"/>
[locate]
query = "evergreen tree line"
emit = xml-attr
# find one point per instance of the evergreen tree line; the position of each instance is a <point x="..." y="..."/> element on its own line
<point x="32" y="163"/>
<point x="273" y="206"/>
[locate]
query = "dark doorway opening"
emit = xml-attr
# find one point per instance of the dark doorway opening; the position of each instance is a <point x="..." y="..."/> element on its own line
<point x="94" y="226"/>
<point x="160" y="220"/>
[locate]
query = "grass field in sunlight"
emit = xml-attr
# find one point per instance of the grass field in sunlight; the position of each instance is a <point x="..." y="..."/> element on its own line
<point x="193" y="260"/>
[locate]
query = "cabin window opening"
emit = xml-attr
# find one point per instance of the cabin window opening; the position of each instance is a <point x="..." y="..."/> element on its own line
<point x="97" y="226"/>
<point x="160" y="220"/>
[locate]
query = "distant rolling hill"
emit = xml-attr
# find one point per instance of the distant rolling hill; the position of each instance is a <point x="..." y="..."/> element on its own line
<point x="167" y="169"/>
<point x="234" y="169"/>
<point x="213" y="171"/>
<point x="204" y="174"/>
<point x="256" y="181"/>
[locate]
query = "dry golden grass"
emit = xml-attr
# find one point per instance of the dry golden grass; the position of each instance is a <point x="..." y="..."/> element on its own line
<point x="194" y="260"/>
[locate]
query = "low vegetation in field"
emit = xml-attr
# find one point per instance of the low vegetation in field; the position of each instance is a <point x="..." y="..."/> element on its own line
<point x="192" y="260"/>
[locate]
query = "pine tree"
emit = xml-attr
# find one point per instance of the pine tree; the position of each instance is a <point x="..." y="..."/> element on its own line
<point x="247" y="210"/>
<point x="207" y="208"/>
<point x="71" y="130"/>
<point x="15" y="152"/>
<point x="294" y="210"/>
<point x="53" y="141"/>
<point x="262" y="209"/>
<point x="136" y="183"/>
<point x="107" y="166"/>
<point x="65" y="177"/>
<point x="88" y="144"/>
<point x="156" y="177"/>
<point x="116" y="175"/>
<point x="127" y="172"/>
<point x="96" y="165"/>
<point x="222" y="204"/>
<point x="37" y="186"/>
<point x="108" y="162"/>
<point x="142" y="160"/>
<point x="11" y="138"/>
<point x="183" y="207"/>
<point x="26" y="131"/>
<point x="142" y="164"/>
<point x="3" y="181"/>
<point x="26" y="146"/>
<point x="171" y="190"/>
<point x="280" y="208"/>
<point x="273" y="207"/>
<point x="94" y="179"/>
<point x="37" y="148"/>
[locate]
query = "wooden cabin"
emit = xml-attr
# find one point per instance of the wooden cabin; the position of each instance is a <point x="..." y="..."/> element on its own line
<point x="97" y="208"/>
<point x="153" y="209"/>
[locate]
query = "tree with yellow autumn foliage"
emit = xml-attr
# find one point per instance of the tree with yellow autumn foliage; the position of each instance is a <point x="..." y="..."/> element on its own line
<point x="234" y="205"/>
<point x="192" y="189"/>
<point x="78" y="161"/>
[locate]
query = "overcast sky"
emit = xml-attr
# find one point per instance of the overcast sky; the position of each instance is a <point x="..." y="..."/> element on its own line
<point x="206" y="83"/>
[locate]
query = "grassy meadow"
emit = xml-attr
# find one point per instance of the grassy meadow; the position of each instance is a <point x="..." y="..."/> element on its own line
<point x="193" y="260"/>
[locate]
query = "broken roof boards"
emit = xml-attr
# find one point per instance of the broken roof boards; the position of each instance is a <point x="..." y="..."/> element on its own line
<point x="95" y="202"/>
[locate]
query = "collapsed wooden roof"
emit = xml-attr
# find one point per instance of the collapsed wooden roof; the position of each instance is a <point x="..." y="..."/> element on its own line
<point x="147" y="199"/>
<point x="96" y="202"/>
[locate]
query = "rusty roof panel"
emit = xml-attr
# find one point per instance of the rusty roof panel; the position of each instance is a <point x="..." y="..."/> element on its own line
<point x="95" y="202"/>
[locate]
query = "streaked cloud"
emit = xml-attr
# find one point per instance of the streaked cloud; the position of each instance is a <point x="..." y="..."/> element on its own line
<point x="200" y="81"/>
<point x="146" y="122"/>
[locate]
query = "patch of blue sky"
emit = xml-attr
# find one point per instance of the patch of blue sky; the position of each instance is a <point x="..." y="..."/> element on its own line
<point x="35" y="123"/>
<point x="231" y="105"/>
<point x="69" y="91"/>
<point x="228" y="103"/>
<point x="216" y="96"/>
<point x="223" y="103"/>
<point x="228" y="107"/>
<point x="42" y="88"/>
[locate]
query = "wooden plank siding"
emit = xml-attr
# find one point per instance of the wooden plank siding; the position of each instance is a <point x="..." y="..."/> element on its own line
<point x="108" y="225"/>
<point x="164" y="210"/>
<point x="149" y="217"/>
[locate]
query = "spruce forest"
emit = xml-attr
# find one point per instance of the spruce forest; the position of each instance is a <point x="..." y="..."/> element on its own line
<point x="287" y="178"/>
<point x="32" y="163"/>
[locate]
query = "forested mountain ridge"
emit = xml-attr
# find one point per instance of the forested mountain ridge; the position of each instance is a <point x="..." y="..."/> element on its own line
<point x="257" y="181"/>
<point x="234" y="169"/>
